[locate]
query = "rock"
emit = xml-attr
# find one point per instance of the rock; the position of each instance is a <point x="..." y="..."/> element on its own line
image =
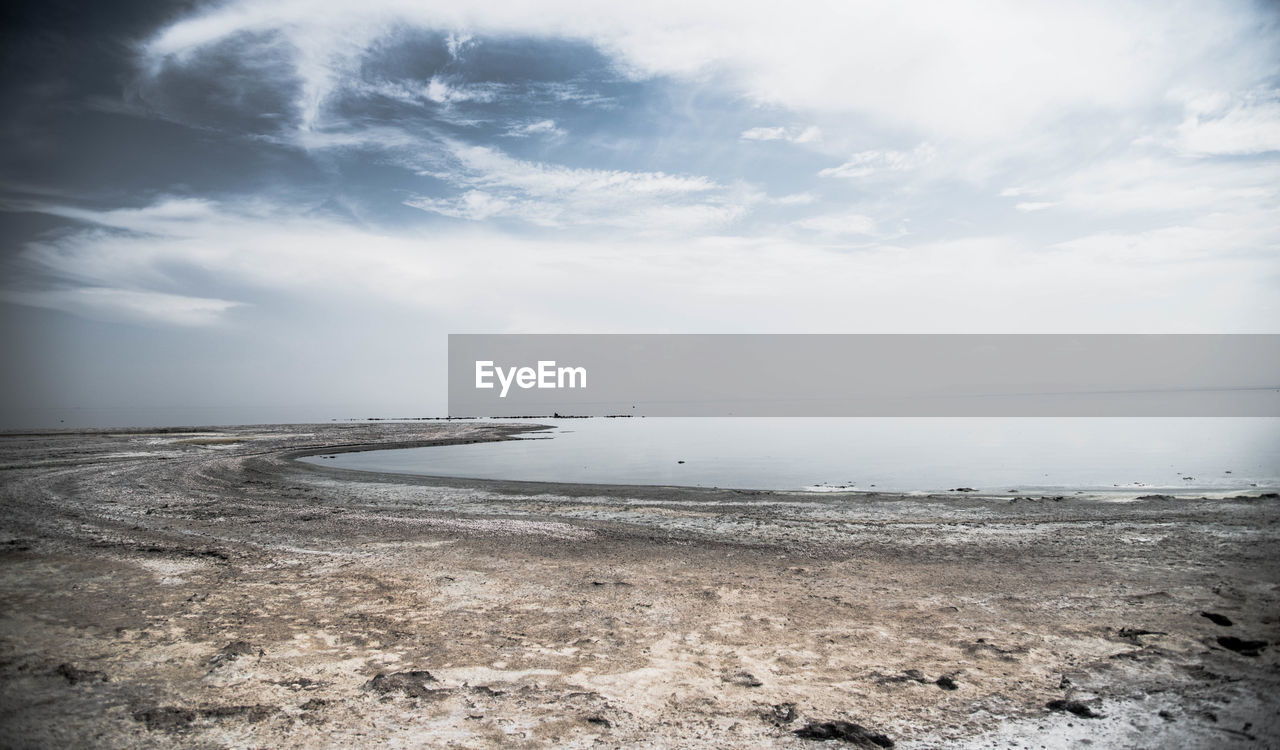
<point x="1132" y="633"/>
<point x="412" y="683"/>
<point x="845" y="731"/>
<point x="486" y="690"/>
<point x="1217" y="619"/>
<point x="964" y="489"/>
<point x="599" y="721"/>
<point x="947" y="683"/>
<point x="167" y="718"/>
<point x="910" y="675"/>
<point x="1241" y="646"/>
<point x="780" y="714"/>
<point x="232" y="651"/>
<point x="254" y="713"/>
<point x="299" y="683"/>
<point x="314" y="704"/>
<point x="745" y="679"/>
<point x="74" y="675"/>
<point x="1073" y="707"/>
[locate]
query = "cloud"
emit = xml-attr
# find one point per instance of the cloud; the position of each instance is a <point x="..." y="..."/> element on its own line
<point x="867" y="163"/>
<point x="477" y="205"/>
<point x="540" y="127"/>
<point x="1157" y="184"/>
<point x="496" y="185"/>
<point x="126" y="305"/>
<point x="155" y="261"/>
<point x="1221" y="124"/>
<point x="796" y="199"/>
<point x="1010" y="94"/>
<point x="839" y="224"/>
<point x="937" y="69"/>
<point x="1215" y="238"/>
<point x="791" y="135"/>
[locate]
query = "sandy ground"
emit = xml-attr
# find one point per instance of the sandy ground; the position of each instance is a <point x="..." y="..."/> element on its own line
<point x="200" y="588"/>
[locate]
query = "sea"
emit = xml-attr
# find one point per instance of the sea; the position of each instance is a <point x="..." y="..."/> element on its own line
<point x="1119" y="456"/>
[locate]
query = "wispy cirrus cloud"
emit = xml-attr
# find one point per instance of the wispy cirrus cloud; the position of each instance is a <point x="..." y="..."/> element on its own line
<point x="1154" y="184"/>
<point x="126" y="305"/>
<point x="868" y="163"/>
<point x="1230" y="123"/>
<point x="933" y="69"/>
<point x="497" y="185"/>
<point x="840" y="224"/>
<point x="543" y="128"/>
<point x="778" y="133"/>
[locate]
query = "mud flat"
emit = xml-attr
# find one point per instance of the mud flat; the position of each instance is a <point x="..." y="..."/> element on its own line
<point x="201" y="588"/>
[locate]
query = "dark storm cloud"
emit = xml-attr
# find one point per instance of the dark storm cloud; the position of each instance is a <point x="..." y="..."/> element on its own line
<point x="80" y="129"/>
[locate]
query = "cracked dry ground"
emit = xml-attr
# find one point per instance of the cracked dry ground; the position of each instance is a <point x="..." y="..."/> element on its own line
<point x="201" y="589"/>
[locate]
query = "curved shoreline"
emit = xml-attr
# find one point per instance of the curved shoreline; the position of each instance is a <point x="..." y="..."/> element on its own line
<point x="229" y="594"/>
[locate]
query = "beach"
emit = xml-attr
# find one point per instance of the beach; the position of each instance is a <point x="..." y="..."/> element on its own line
<point x="202" y="588"/>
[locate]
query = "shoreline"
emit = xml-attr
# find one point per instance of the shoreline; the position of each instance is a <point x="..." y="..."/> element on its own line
<point x="201" y="586"/>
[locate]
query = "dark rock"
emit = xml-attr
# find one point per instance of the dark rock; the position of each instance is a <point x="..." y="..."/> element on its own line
<point x="946" y="683"/>
<point x="166" y="718"/>
<point x="412" y="684"/>
<point x="599" y="721"/>
<point x="1133" y="633"/>
<point x="780" y="714"/>
<point x="1073" y="707"/>
<point x="964" y="489"/>
<point x="254" y="713"/>
<point x="982" y="648"/>
<point x="232" y="651"/>
<point x="486" y="690"/>
<point x="74" y="675"/>
<point x="845" y="731"/>
<point x="314" y="704"/>
<point x="1217" y="619"/>
<point x="1242" y="646"/>
<point x="745" y="679"/>
<point x="910" y="675"/>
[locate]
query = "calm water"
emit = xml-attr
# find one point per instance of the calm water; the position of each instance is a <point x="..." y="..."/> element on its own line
<point x="1094" y="454"/>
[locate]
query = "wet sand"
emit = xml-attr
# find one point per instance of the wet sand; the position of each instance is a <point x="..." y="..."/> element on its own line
<point x="200" y="588"/>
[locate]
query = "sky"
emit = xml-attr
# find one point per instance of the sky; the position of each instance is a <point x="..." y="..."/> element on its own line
<point x="280" y="210"/>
